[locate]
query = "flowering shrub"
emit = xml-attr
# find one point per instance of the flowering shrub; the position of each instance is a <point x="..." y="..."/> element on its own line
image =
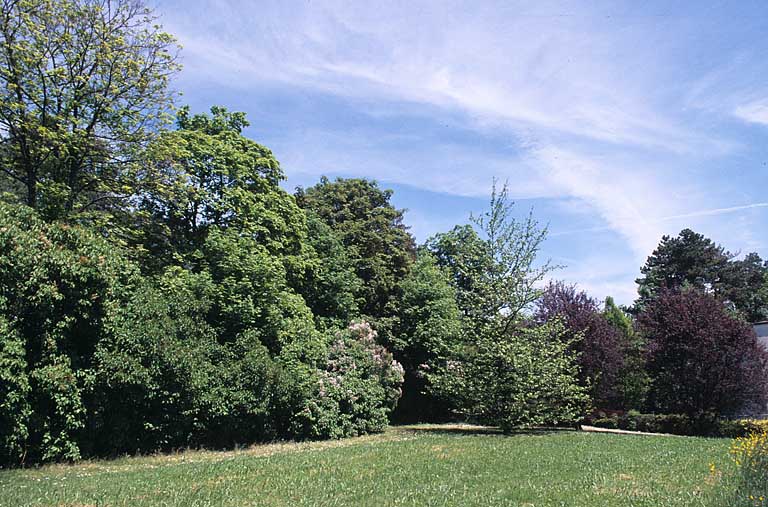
<point x="743" y="427"/>
<point x="751" y="456"/>
<point x="355" y="390"/>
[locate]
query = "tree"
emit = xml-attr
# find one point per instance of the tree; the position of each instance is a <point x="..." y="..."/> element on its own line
<point x="206" y="175"/>
<point x="328" y="281"/>
<point x="741" y="284"/>
<point x="466" y="259"/>
<point x="425" y="332"/>
<point x="371" y="230"/>
<point x="702" y="359"/>
<point x="688" y="259"/>
<point x="525" y="378"/>
<point x="493" y="265"/>
<point x="60" y="285"/>
<point x="503" y="370"/>
<point x="598" y="345"/>
<point x="633" y="381"/>
<point x="691" y="260"/>
<point x="83" y="86"/>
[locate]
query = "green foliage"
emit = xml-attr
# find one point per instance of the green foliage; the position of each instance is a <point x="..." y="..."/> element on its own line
<point x="59" y="414"/>
<point x="371" y="230"/>
<point x="673" y="424"/>
<point x="744" y="284"/>
<point x="15" y="409"/>
<point x="327" y="281"/>
<point x="83" y="85"/>
<point x="679" y="424"/>
<point x="633" y="380"/>
<point x="355" y="388"/>
<point x="166" y="381"/>
<point x="525" y="378"/>
<point x="467" y="260"/>
<point x="59" y="287"/>
<point x="493" y="265"/>
<point x="689" y="259"/>
<point x="425" y="332"/>
<point x="251" y="292"/>
<point x="206" y="175"/>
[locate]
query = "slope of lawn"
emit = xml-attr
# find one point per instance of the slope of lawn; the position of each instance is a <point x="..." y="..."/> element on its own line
<point x="416" y="465"/>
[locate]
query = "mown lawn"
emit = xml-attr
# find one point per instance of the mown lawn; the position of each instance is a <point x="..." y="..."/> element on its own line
<point x="416" y="465"/>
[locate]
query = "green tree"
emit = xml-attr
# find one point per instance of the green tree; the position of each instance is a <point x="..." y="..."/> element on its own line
<point x="15" y="409"/>
<point x="690" y="259"/>
<point x="83" y="86"/>
<point x="328" y="281"/>
<point x="493" y="265"/>
<point x="60" y="285"/>
<point x="633" y="380"/>
<point x="425" y="332"/>
<point x="466" y="259"/>
<point x="742" y="284"/>
<point x="525" y="378"/>
<point x="371" y="230"/>
<point x="207" y="175"/>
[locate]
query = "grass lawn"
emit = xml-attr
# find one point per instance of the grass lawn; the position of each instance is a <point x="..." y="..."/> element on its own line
<point x="414" y="465"/>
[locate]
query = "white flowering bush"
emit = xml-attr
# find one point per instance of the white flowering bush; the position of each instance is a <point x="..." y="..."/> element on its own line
<point x="355" y="390"/>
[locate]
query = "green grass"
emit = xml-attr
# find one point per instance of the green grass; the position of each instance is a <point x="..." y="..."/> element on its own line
<point x="415" y="466"/>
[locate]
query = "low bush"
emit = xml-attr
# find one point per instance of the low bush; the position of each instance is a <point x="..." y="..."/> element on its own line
<point x="352" y="392"/>
<point x="750" y="453"/>
<point x="743" y="427"/>
<point x="678" y="424"/>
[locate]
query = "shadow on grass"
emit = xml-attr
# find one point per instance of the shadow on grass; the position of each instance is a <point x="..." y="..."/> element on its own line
<point x="470" y="429"/>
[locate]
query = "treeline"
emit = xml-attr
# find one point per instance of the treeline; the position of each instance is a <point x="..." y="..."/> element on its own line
<point x="159" y="289"/>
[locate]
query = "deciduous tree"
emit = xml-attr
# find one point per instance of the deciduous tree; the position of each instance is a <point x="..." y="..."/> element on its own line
<point x="702" y="359"/>
<point x="83" y="85"/>
<point x="598" y="345"/>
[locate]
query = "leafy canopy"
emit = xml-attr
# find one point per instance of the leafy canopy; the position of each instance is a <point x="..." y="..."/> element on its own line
<point x="83" y="85"/>
<point x="371" y="229"/>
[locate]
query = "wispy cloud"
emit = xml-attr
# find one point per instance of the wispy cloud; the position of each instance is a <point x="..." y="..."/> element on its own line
<point x="755" y="112"/>
<point x="717" y="211"/>
<point x="503" y="64"/>
<point x="611" y="104"/>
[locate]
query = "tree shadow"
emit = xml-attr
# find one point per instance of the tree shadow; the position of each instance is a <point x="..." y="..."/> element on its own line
<point x="471" y="429"/>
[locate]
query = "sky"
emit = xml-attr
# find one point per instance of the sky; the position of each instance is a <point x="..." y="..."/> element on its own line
<point x="614" y="122"/>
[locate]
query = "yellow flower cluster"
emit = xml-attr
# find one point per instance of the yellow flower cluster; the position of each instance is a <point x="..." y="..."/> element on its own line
<point x="751" y="455"/>
<point x="749" y="426"/>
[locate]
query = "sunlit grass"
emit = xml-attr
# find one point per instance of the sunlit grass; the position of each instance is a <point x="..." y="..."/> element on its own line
<point x="416" y="465"/>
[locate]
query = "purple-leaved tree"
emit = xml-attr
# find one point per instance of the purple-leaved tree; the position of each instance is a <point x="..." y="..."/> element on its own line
<point x="703" y="359"/>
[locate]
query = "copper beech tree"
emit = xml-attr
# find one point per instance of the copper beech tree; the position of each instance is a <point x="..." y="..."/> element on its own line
<point x="702" y="359"/>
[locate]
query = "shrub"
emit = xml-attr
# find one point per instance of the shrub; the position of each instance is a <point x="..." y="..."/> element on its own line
<point x="600" y="347"/>
<point x="742" y="427"/>
<point x="527" y="378"/>
<point x="352" y="393"/>
<point x="58" y="287"/>
<point x="15" y="409"/>
<point x="750" y="453"/>
<point x="166" y="379"/>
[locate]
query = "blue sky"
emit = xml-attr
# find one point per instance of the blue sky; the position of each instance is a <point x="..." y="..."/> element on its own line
<point x="615" y="122"/>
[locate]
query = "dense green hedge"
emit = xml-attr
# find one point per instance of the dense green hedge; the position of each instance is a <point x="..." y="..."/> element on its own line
<point x="97" y="359"/>
<point x="677" y="424"/>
